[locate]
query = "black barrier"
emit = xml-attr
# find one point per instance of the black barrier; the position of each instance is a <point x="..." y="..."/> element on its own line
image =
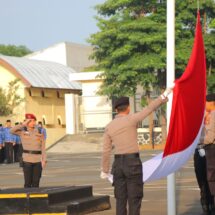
<point x="72" y="200"/>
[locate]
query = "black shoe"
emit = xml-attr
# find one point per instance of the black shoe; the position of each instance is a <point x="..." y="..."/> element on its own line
<point x="206" y="209"/>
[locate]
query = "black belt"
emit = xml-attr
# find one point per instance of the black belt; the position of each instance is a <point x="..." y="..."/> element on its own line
<point x="204" y="146"/>
<point x="32" y="152"/>
<point x="133" y="155"/>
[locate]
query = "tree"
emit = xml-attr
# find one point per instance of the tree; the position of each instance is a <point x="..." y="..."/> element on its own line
<point x="128" y="45"/>
<point x="131" y="45"/>
<point x="186" y="19"/>
<point x="11" y="50"/>
<point x="4" y="109"/>
<point x="9" y="99"/>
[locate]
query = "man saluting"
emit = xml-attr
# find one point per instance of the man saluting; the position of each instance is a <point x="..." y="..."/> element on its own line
<point x="121" y="134"/>
<point x="34" y="155"/>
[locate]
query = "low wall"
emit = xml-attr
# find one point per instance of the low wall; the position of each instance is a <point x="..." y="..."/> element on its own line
<point x="53" y="135"/>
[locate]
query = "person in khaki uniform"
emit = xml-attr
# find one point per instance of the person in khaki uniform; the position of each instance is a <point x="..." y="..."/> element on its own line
<point x="34" y="155"/>
<point x="204" y="158"/>
<point x="121" y="133"/>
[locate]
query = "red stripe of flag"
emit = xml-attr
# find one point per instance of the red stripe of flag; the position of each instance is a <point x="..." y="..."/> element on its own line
<point x="188" y="99"/>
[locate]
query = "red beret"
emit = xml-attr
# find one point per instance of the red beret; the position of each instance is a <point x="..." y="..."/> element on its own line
<point x="30" y="116"/>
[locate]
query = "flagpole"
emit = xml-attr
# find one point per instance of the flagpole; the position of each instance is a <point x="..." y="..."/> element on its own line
<point x="171" y="200"/>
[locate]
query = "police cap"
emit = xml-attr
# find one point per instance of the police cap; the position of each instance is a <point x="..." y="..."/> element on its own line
<point x="121" y="101"/>
<point x="210" y="97"/>
<point x="30" y="116"/>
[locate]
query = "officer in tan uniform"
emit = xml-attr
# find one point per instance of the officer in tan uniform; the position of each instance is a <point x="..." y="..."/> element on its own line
<point x="121" y="134"/>
<point x="204" y="157"/>
<point x="34" y="155"/>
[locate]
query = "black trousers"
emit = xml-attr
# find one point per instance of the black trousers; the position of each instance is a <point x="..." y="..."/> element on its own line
<point x="9" y="152"/>
<point x="210" y="163"/>
<point x="201" y="176"/>
<point x="16" y="152"/>
<point x="2" y="155"/>
<point x="32" y="174"/>
<point x="128" y="184"/>
<point x="20" y="159"/>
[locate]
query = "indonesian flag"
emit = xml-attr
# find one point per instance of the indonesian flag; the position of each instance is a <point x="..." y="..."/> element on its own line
<point x="187" y="115"/>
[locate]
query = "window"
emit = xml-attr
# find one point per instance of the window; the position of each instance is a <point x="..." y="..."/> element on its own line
<point x="42" y="93"/>
<point x="59" y="120"/>
<point x="44" y="120"/>
<point x="58" y="94"/>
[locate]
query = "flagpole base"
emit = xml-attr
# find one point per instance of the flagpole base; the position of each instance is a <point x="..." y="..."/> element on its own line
<point x="171" y="200"/>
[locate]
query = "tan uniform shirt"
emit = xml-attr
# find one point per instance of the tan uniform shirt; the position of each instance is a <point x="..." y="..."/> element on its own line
<point x="208" y="131"/>
<point x="122" y="133"/>
<point x="31" y="140"/>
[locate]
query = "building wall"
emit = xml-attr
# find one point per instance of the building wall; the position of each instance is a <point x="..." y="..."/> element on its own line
<point x="49" y="107"/>
<point x="78" y="56"/>
<point x="72" y="55"/>
<point x="47" y="104"/>
<point x="56" y="53"/>
<point x="96" y="110"/>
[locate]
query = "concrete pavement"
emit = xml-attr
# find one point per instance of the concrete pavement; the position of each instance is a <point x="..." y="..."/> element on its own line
<point x="84" y="168"/>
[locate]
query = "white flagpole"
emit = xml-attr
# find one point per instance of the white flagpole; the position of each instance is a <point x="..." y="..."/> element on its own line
<point x="171" y="196"/>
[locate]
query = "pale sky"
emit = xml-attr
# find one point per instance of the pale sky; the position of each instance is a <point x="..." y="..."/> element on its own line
<point x="38" y="24"/>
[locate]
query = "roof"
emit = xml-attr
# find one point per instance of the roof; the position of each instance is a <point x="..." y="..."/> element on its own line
<point x="86" y="76"/>
<point x="41" y="74"/>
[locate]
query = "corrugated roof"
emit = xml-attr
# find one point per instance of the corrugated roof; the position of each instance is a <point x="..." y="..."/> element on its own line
<point x="43" y="74"/>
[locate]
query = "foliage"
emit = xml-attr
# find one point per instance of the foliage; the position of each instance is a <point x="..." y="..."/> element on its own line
<point x="131" y="45"/>
<point x="4" y="109"/>
<point x="9" y="99"/>
<point x="186" y="19"/>
<point x="12" y="50"/>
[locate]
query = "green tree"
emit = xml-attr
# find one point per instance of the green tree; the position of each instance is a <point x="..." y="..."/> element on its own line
<point x="131" y="45"/>
<point x="4" y="108"/>
<point x="186" y="19"/>
<point x="12" y="50"/>
<point x="9" y="99"/>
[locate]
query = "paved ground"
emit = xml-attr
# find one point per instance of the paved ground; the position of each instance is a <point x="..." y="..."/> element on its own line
<point x="83" y="169"/>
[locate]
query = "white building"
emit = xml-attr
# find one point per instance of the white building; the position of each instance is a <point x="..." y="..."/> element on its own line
<point x="95" y="111"/>
<point x="69" y="54"/>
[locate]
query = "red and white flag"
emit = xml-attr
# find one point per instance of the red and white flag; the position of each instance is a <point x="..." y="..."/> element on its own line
<point x="187" y="115"/>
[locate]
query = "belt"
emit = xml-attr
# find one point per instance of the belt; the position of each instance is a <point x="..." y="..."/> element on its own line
<point x="32" y="152"/>
<point x="133" y="155"/>
<point x="202" y="146"/>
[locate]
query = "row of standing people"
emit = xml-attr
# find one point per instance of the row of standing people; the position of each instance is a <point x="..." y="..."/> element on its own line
<point x="10" y="144"/>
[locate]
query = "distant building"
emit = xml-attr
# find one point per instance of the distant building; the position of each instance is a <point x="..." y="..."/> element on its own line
<point x="43" y="85"/>
<point x="69" y="54"/>
<point x="95" y="111"/>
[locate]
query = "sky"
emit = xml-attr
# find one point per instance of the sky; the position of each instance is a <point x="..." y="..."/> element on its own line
<point x="38" y="24"/>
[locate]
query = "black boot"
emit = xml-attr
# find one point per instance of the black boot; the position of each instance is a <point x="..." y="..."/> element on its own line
<point x="205" y="208"/>
<point x="212" y="209"/>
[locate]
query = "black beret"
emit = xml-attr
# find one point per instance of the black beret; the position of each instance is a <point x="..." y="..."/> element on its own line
<point x="121" y="101"/>
<point x="210" y="97"/>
